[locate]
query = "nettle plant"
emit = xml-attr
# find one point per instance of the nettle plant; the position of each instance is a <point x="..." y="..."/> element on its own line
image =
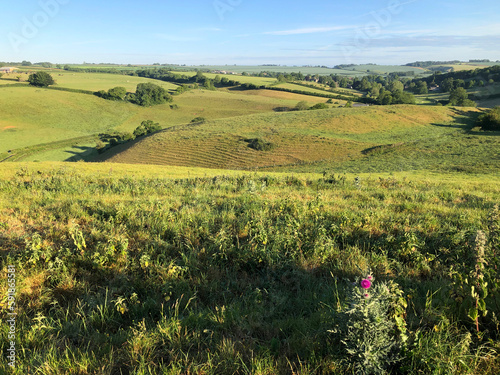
<point x="372" y="325"/>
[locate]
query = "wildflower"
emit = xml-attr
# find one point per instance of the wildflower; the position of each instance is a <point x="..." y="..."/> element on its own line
<point x="367" y="295"/>
<point x="370" y="277"/>
<point x="366" y="284"/>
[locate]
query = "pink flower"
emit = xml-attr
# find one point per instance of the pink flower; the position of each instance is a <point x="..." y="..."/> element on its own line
<point x="369" y="277"/>
<point x="367" y="295"/>
<point x="366" y="284"/>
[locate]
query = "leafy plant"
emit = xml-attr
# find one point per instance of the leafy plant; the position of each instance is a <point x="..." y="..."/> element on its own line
<point x="372" y="326"/>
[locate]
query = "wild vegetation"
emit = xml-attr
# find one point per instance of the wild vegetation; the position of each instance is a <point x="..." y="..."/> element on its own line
<point x="244" y="273"/>
<point x="373" y="251"/>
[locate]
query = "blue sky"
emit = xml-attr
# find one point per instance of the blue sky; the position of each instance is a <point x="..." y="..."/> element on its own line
<point x="249" y="32"/>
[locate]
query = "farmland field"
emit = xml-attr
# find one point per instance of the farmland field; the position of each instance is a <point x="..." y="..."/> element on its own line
<point x="103" y="81"/>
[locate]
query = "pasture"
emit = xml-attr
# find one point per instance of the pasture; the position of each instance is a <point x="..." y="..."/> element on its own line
<point x="104" y="81"/>
<point x="328" y="137"/>
<point x="45" y="113"/>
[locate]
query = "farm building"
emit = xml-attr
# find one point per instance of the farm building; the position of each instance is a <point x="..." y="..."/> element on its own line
<point x="7" y="69"/>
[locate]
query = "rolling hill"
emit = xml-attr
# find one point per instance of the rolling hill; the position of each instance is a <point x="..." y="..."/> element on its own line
<point x="331" y="137"/>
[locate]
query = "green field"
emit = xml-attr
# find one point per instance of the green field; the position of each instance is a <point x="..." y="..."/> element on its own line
<point x="45" y="113"/>
<point x="277" y="69"/>
<point x="147" y="269"/>
<point x="393" y="138"/>
<point x="385" y="69"/>
<point x="30" y="116"/>
<point x="260" y="81"/>
<point x="103" y="81"/>
<point x="189" y="252"/>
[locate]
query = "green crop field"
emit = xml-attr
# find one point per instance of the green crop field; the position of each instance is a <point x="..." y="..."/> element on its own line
<point x="276" y="69"/>
<point x="313" y="90"/>
<point x="385" y="69"/>
<point x="259" y="81"/>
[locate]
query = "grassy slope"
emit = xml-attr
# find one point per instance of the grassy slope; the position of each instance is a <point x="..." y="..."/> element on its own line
<point x="121" y="269"/>
<point x="46" y="112"/>
<point x="103" y="81"/>
<point x="31" y="116"/>
<point x="335" y="135"/>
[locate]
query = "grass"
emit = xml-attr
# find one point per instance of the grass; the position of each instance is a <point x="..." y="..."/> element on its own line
<point x="30" y="116"/>
<point x="278" y="69"/>
<point x="386" y="69"/>
<point x="142" y="269"/>
<point x="46" y="112"/>
<point x="332" y="136"/>
<point x="260" y="81"/>
<point x="292" y="86"/>
<point x="103" y="81"/>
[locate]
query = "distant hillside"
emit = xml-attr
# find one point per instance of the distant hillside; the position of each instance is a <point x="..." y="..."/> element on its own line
<point x="297" y="138"/>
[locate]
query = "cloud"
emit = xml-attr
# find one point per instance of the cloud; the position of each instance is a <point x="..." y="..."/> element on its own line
<point x="309" y="30"/>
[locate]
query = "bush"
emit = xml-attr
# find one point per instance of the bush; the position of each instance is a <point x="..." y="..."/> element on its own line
<point x="41" y="79"/>
<point x="259" y="144"/>
<point x="146" y="127"/>
<point x="302" y="106"/>
<point x="198" y="120"/>
<point x="319" y="106"/>
<point x="490" y="120"/>
<point x="148" y="94"/>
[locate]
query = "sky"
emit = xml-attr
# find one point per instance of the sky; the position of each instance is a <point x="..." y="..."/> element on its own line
<point x="249" y="32"/>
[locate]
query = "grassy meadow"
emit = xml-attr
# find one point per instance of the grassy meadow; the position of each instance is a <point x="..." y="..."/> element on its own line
<point x="104" y="81"/>
<point x="148" y="270"/>
<point x="46" y="112"/>
<point x="389" y="138"/>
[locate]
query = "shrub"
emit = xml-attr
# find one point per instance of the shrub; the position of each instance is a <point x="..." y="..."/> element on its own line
<point x="319" y="106"/>
<point x="490" y="120"/>
<point x="148" y="94"/>
<point x="259" y="144"/>
<point x="302" y="106"/>
<point x="147" y="127"/>
<point x="198" y="120"/>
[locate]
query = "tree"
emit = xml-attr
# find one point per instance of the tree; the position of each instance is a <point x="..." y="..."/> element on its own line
<point x="459" y="97"/>
<point x="421" y="88"/>
<point x="400" y="97"/>
<point x="146" y="127"/>
<point x="302" y="106"/>
<point x="319" y="106"/>
<point x="447" y="84"/>
<point x="148" y="94"/>
<point x="41" y="79"/>
<point x="395" y="86"/>
<point x="117" y="93"/>
<point x="385" y="98"/>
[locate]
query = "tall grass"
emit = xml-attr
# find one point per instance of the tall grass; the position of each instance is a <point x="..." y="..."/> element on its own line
<point x="232" y="274"/>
